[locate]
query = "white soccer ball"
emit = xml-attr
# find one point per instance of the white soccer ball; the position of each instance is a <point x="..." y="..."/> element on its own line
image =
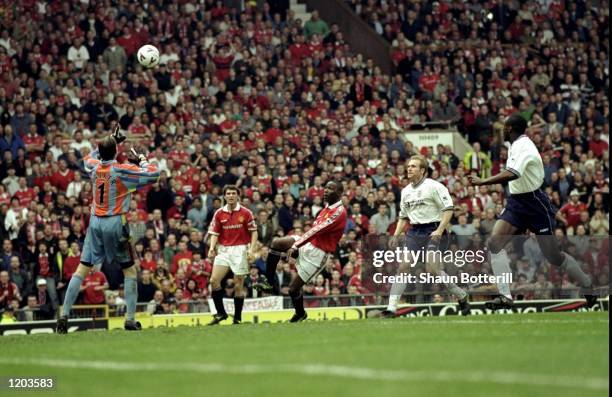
<point x="148" y="56"/>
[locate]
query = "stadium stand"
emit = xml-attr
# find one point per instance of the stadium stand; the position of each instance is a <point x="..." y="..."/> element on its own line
<point x="253" y="98"/>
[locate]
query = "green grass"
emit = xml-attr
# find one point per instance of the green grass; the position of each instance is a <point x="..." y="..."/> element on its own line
<point x="560" y="354"/>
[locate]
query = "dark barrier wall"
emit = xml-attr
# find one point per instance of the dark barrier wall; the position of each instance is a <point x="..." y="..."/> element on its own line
<point x="362" y="38"/>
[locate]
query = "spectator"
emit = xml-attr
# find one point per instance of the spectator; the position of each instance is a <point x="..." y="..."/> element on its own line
<point x="78" y="53"/>
<point x="315" y="25"/>
<point x="114" y="56"/>
<point x="477" y="161"/>
<point x="197" y="214"/>
<point x="93" y="288"/>
<point x="19" y="276"/>
<point x="253" y="282"/>
<point x="380" y="222"/>
<point x="155" y="305"/>
<point x="11" y="139"/>
<point x="463" y="231"/>
<point x="46" y="310"/>
<point x="8" y="290"/>
<point x="445" y="111"/>
<point x="569" y="214"/>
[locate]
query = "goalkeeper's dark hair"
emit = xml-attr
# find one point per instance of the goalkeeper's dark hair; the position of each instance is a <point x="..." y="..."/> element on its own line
<point x="107" y="149"/>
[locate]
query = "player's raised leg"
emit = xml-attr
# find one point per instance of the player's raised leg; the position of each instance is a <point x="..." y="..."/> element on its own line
<point x="554" y="254"/>
<point x="500" y="262"/>
<point x="435" y="267"/>
<point x="278" y="248"/>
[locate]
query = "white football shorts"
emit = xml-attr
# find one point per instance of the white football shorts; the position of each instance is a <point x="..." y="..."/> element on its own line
<point x="234" y="257"/>
<point x="310" y="261"/>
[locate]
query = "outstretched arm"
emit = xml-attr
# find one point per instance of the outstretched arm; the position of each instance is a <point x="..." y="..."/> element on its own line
<point x="503" y="177"/>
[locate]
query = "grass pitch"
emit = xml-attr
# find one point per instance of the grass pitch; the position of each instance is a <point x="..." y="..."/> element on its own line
<point x="560" y="354"/>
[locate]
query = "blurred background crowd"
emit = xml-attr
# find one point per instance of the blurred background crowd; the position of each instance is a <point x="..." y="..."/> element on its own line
<point x="248" y="94"/>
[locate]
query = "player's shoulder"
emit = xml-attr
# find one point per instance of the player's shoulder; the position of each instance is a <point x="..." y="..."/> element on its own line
<point x="246" y="210"/>
<point x="408" y="188"/>
<point x="523" y="143"/>
<point x="433" y="183"/>
<point x="337" y="208"/>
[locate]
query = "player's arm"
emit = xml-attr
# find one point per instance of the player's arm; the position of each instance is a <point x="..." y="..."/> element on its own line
<point x="401" y="223"/>
<point x="213" y="231"/>
<point x="212" y="245"/>
<point x="399" y="228"/>
<point x="445" y="203"/>
<point x="252" y="226"/>
<point x="136" y="176"/>
<point x="447" y="215"/>
<point x="252" y="248"/>
<point x="91" y="160"/>
<point x="505" y="176"/>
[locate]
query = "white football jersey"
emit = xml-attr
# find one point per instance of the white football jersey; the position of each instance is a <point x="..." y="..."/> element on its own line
<point x="525" y="161"/>
<point x="425" y="202"/>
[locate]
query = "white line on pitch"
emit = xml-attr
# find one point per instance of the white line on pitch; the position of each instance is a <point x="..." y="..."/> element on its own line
<point x="508" y="378"/>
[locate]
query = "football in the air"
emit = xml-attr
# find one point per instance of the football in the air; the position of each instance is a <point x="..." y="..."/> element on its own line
<point x="148" y="56"/>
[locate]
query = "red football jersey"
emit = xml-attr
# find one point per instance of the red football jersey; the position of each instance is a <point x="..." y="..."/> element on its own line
<point x="25" y="196"/>
<point x="233" y="228"/>
<point x="327" y="229"/>
<point x="90" y="295"/>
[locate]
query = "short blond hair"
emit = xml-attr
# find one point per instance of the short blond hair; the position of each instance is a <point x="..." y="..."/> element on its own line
<point x="421" y="159"/>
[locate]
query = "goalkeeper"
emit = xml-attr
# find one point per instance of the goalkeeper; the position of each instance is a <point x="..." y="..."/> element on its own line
<point x="107" y="237"/>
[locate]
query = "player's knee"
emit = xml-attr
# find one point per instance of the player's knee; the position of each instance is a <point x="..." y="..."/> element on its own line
<point x="215" y="283"/>
<point x="294" y="291"/>
<point x="130" y="272"/>
<point x="494" y="245"/>
<point x="239" y="290"/>
<point x="82" y="270"/>
<point x="276" y="244"/>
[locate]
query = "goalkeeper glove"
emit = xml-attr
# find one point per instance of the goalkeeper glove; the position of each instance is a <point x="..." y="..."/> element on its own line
<point x="136" y="157"/>
<point x="117" y="136"/>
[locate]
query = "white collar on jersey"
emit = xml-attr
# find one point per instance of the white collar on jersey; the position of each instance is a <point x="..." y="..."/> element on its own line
<point x="419" y="183"/>
<point x="226" y="207"/>
<point x="335" y="205"/>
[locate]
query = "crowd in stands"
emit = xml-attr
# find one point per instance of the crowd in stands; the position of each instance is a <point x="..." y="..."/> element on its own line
<point x="256" y="98"/>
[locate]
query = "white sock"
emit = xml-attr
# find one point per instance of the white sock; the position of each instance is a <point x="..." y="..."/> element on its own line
<point x="453" y="288"/>
<point x="397" y="289"/>
<point x="500" y="263"/>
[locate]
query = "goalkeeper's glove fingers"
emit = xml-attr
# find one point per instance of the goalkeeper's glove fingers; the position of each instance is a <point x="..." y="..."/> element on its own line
<point x="140" y="156"/>
<point x="118" y="136"/>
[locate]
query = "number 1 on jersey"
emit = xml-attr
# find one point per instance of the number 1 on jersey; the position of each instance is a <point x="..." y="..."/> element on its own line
<point x="102" y="188"/>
